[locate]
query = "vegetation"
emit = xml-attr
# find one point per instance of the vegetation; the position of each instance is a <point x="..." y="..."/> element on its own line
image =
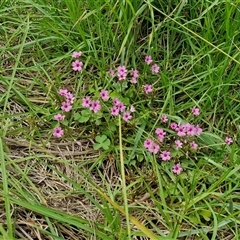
<point x="120" y="119"/>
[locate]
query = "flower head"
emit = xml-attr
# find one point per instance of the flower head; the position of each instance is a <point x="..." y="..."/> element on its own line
<point x="111" y="72"/>
<point x="193" y="145"/>
<point x="58" y="132"/>
<point x="147" y="88"/>
<point x="177" y="169"/>
<point x="195" y="111"/>
<point x="77" y="65"/>
<point x="165" y="155"/>
<point x="228" y="140"/>
<point x="178" y="144"/>
<point x="127" y="116"/>
<point x="114" y="111"/>
<point x="86" y="101"/>
<point x="164" y="118"/>
<point x="155" y="68"/>
<point x="148" y="60"/>
<point x="76" y="54"/>
<point x="66" y="106"/>
<point x="104" y="95"/>
<point x="95" y="106"/>
<point x="59" y="117"/>
<point x="135" y="73"/>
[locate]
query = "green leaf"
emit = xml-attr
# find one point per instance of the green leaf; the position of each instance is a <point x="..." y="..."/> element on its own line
<point x="101" y="139"/>
<point x="206" y="214"/>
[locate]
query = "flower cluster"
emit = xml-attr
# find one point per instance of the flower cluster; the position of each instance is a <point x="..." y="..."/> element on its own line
<point x="66" y="106"/>
<point x="184" y="134"/>
<point x="77" y="65"/>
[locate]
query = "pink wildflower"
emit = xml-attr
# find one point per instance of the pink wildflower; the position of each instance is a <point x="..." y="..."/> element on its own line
<point x="148" y="143"/>
<point x="59" y="117"/>
<point x="154" y="148"/>
<point x="114" y="111"/>
<point x="181" y="130"/>
<point x="104" y="95"/>
<point x="193" y="145"/>
<point x="69" y="97"/>
<point x="127" y="116"/>
<point x="135" y="73"/>
<point x="198" y="130"/>
<point x="228" y="140"/>
<point x="147" y="88"/>
<point x="111" y="72"/>
<point x="148" y="60"/>
<point x="86" y="102"/>
<point x="195" y="111"/>
<point x="63" y="92"/>
<point x="121" y="107"/>
<point x="173" y="126"/>
<point x="77" y="65"/>
<point x="155" y="68"/>
<point x="76" y="54"/>
<point x="178" y="144"/>
<point x="164" y="118"/>
<point x="58" y="132"/>
<point x="177" y="168"/>
<point x="122" y="73"/>
<point x="66" y="106"/>
<point x="190" y="129"/>
<point x="95" y="106"/>
<point x="165" y="155"/>
<point x="133" y="80"/>
<point x="116" y="101"/>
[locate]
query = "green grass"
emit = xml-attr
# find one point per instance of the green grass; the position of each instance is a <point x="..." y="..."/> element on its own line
<point x="55" y="189"/>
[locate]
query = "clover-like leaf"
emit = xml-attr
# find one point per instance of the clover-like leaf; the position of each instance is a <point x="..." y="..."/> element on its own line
<point x="101" y="142"/>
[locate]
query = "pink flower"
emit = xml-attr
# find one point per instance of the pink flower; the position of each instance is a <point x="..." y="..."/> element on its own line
<point x="86" y="102"/>
<point x="198" y="130"/>
<point x="114" y="111"/>
<point x="155" y="68"/>
<point x="165" y="155"/>
<point x="69" y="97"/>
<point x="164" y="118"/>
<point x="104" y="95"/>
<point x="193" y="145"/>
<point x="154" y="148"/>
<point x="95" y="106"/>
<point x="66" y="106"/>
<point x="195" y="111"/>
<point x="76" y="54"/>
<point x="133" y="80"/>
<point x="135" y="73"/>
<point x="177" y="168"/>
<point x="111" y="72"/>
<point x="59" y="117"/>
<point x="116" y="101"/>
<point x="228" y="140"/>
<point x="181" y="130"/>
<point x="190" y="129"/>
<point x="58" y="132"/>
<point x="121" y="107"/>
<point x="178" y="144"/>
<point x="122" y="73"/>
<point x="173" y="126"/>
<point x="148" y="143"/>
<point x="148" y="60"/>
<point x="77" y="65"/>
<point x="160" y="132"/>
<point x="127" y="116"/>
<point x="63" y="92"/>
<point x="147" y="88"/>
